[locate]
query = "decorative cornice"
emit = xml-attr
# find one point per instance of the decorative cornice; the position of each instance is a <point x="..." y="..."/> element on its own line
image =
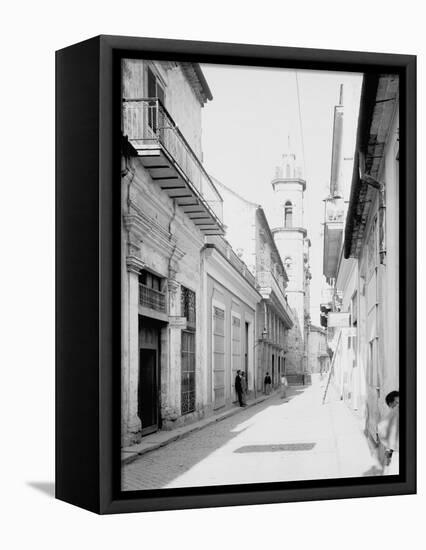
<point x="289" y="230"/>
<point x="148" y="230"/>
<point x="284" y="181"/>
<point x="134" y="264"/>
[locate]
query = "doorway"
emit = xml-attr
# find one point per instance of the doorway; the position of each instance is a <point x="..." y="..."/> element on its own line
<point x="149" y="375"/>
<point x="273" y="370"/>
<point x="246" y="348"/>
<point x="147" y="390"/>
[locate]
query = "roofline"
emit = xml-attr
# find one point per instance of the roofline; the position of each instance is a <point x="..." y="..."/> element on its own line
<point x="216" y="181"/>
<point x="274" y="246"/>
<point x="203" y="81"/>
<point x="367" y="102"/>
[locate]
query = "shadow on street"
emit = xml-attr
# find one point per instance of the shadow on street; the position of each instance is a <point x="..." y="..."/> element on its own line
<point x="156" y="469"/>
<point x="276" y="448"/>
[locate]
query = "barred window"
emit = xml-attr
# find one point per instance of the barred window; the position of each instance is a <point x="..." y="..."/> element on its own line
<point x="188" y="372"/>
<point x="187" y="302"/>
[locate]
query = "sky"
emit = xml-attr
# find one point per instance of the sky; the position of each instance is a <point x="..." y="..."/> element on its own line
<point x="246" y="129"/>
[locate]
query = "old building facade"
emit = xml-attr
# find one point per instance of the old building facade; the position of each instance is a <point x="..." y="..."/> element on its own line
<point x="169" y="205"/>
<point x="231" y="300"/>
<point x="365" y="365"/>
<point x="250" y="235"/>
<point x="319" y="359"/>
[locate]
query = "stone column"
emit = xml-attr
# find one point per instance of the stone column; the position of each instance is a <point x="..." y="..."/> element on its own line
<point x="130" y="336"/>
<point x="170" y="394"/>
<point x="133" y="270"/>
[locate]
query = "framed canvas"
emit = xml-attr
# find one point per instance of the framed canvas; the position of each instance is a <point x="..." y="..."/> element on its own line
<point x="236" y="288"/>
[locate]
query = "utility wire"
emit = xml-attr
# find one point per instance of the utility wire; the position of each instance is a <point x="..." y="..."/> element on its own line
<point x="301" y="125"/>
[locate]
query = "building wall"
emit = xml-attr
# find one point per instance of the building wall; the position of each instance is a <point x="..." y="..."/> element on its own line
<point x="169" y="247"/>
<point x="158" y="237"/>
<point x="180" y="99"/>
<point x="318" y="360"/>
<point x="366" y="366"/>
<point x="235" y="309"/>
<point x="382" y="287"/>
<point x="241" y="235"/>
<point x="294" y="350"/>
<point x="271" y="353"/>
<point x="291" y="248"/>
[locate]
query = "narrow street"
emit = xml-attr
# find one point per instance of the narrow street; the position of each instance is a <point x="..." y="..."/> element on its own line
<point x="278" y="440"/>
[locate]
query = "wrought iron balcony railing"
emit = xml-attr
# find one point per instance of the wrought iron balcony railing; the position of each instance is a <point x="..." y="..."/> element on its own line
<point x="267" y="283"/>
<point x="225" y="248"/>
<point x="147" y="124"/>
<point x="153" y="299"/>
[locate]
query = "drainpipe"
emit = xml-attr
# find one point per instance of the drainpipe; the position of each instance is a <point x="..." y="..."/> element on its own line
<point x="381" y="188"/>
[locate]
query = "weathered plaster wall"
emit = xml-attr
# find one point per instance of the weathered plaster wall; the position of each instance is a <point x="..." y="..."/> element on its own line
<point x="180" y="99"/>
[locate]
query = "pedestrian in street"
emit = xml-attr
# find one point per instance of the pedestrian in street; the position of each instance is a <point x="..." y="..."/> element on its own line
<point x="239" y="388"/>
<point x="244" y="387"/>
<point x="284" y="385"/>
<point x="388" y="432"/>
<point x="267" y="383"/>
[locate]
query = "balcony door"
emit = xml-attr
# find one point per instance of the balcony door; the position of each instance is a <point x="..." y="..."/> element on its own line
<point x="155" y="90"/>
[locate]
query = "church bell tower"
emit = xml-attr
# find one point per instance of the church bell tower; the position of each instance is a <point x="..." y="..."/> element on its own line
<point x="291" y="237"/>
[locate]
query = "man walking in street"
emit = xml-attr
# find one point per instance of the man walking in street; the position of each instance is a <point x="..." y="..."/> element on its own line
<point x="239" y="388"/>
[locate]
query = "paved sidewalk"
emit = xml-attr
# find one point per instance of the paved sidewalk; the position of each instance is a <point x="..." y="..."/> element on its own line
<point x="164" y="437"/>
<point x="277" y="440"/>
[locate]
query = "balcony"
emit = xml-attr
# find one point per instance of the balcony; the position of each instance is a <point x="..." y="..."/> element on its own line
<point x="226" y="250"/>
<point x="152" y="299"/>
<point x="270" y="289"/>
<point x="333" y="235"/>
<point x="164" y="152"/>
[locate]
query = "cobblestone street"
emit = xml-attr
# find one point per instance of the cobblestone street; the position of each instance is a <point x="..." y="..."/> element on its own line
<point x="278" y="440"/>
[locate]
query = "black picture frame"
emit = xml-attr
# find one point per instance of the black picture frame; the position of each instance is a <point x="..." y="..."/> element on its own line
<point x="88" y="274"/>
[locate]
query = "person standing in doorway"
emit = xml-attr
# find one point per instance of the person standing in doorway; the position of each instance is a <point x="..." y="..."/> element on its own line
<point x="239" y="388"/>
<point x="267" y="383"/>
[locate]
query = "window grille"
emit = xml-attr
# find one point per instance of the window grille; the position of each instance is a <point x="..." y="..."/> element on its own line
<point x="188" y="372"/>
<point x="187" y="301"/>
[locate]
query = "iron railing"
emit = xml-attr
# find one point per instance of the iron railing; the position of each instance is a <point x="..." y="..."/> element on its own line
<point x="153" y="299"/>
<point x="225" y="248"/>
<point x="146" y="120"/>
<point x="266" y="279"/>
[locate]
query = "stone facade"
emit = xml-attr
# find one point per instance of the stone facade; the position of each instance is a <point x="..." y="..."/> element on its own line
<point x="163" y="352"/>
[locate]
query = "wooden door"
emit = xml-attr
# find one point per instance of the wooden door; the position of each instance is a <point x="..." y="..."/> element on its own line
<point x="147" y="390"/>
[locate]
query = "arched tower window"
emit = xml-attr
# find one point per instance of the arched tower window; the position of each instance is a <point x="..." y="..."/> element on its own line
<point x="288" y="263"/>
<point x="288" y="214"/>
